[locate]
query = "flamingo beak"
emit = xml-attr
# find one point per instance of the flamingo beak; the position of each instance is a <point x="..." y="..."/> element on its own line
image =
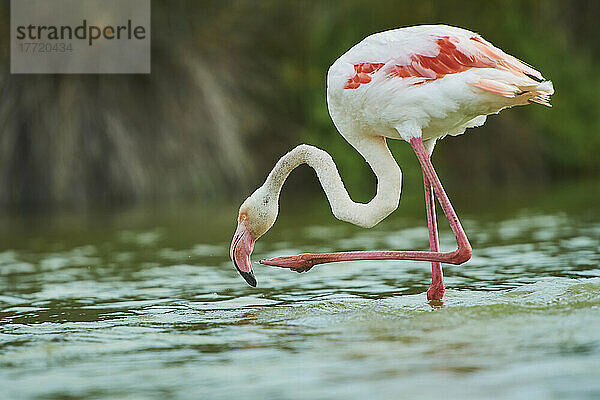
<point x="241" y="248"/>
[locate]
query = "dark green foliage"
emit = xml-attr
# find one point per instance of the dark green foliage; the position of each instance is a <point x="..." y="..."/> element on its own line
<point x="235" y="84"/>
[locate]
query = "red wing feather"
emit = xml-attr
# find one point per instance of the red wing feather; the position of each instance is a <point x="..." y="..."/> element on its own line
<point x="449" y="60"/>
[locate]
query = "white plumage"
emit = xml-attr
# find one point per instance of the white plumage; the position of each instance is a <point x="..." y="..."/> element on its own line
<point x="421" y="105"/>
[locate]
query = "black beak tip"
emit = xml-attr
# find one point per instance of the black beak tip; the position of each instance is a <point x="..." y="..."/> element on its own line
<point x="248" y="277"/>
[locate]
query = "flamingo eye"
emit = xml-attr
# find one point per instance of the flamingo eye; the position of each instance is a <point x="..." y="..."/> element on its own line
<point x="243" y="217"/>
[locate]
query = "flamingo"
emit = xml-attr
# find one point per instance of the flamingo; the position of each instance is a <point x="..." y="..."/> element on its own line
<point x="416" y="84"/>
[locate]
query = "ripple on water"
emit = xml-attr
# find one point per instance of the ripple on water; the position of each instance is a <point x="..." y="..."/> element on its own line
<point x="148" y="314"/>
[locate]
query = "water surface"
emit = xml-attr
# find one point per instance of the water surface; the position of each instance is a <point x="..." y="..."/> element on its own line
<point x="145" y="304"/>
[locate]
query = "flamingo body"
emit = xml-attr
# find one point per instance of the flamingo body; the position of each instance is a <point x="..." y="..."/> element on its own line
<point x="426" y="81"/>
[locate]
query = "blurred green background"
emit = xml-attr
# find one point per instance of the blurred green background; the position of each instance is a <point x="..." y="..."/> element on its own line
<point x="235" y="84"/>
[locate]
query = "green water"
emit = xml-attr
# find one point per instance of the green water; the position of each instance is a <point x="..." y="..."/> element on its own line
<point x="145" y="304"/>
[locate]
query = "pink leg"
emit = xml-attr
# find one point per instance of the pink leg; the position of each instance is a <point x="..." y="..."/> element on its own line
<point x="304" y="262"/>
<point x="436" y="289"/>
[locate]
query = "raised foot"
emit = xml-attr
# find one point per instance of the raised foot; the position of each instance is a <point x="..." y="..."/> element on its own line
<point x="299" y="263"/>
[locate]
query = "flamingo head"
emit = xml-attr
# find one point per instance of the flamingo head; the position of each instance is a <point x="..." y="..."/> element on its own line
<point x="256" y="216"/>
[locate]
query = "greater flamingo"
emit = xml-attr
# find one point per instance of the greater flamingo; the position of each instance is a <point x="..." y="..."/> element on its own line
<point x="417" y="84"/>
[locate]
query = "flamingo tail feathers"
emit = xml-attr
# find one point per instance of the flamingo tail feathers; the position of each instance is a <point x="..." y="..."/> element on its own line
<point x="523" y="91"/>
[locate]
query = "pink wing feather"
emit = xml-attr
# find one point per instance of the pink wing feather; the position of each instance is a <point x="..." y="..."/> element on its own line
<point x="456" y="55"/>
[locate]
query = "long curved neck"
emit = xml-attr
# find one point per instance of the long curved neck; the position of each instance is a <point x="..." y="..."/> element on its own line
<point x="375" y="152"/>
